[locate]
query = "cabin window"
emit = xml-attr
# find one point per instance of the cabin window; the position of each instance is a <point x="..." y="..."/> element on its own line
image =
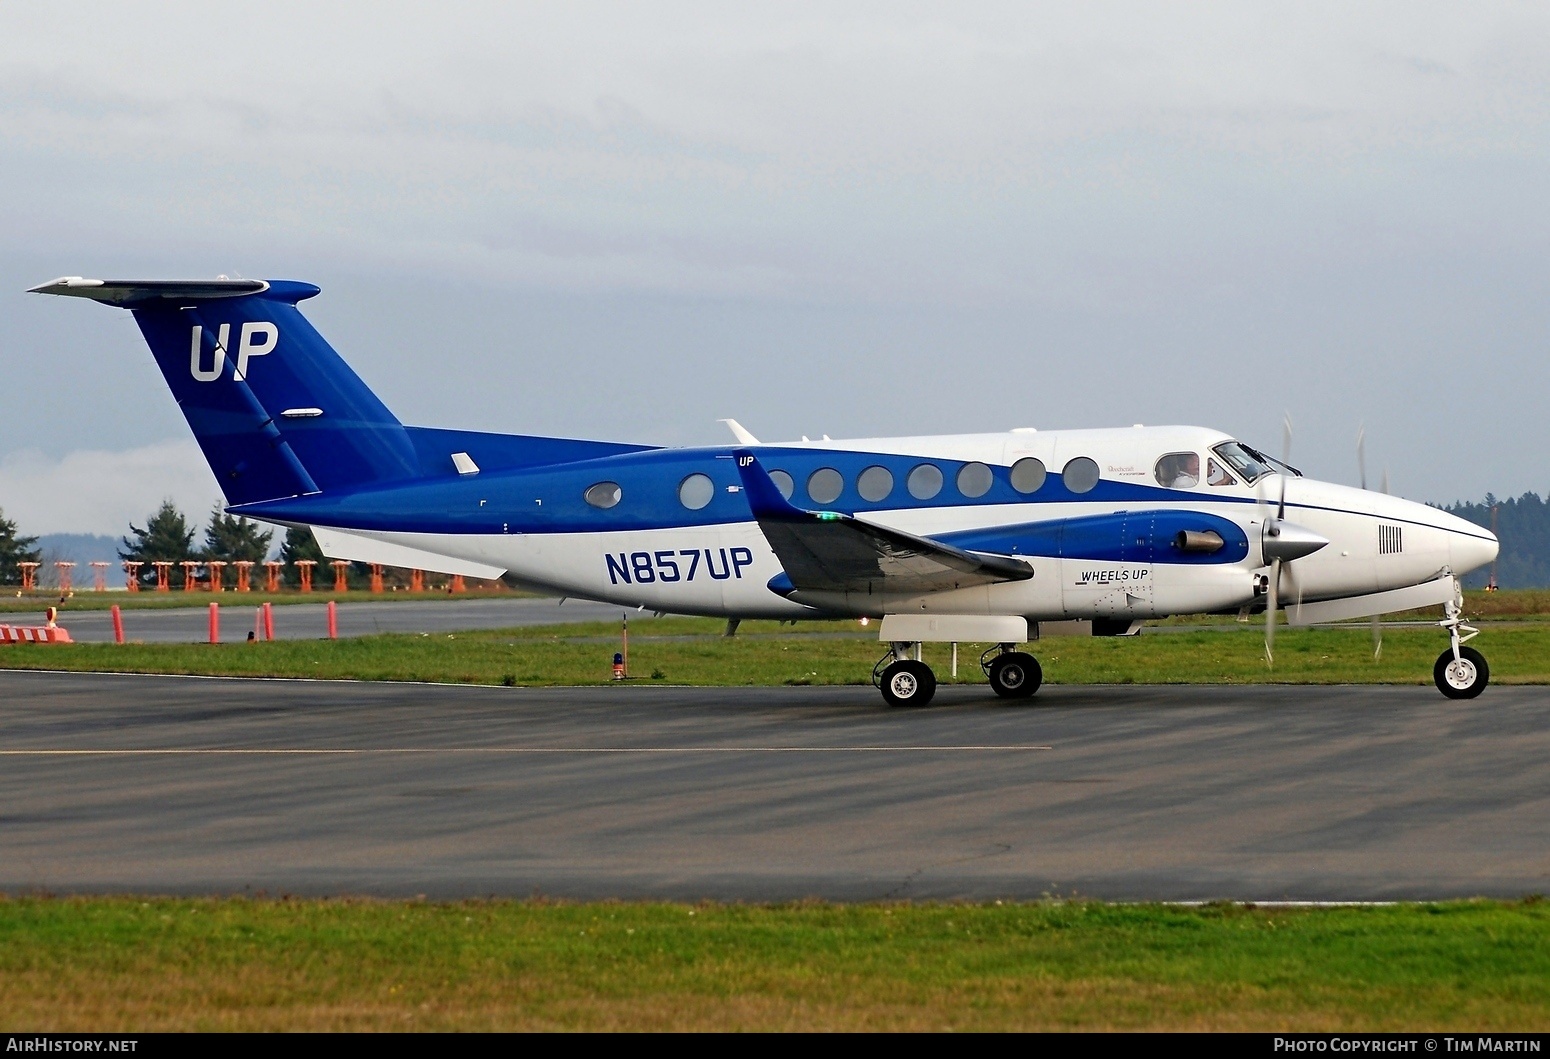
<point x="925" y="481"/>
<point x="825" y="485"/>
<point x="875" y="484"/>
<point x="695" y="491"/>
<point x="1178" y="470"/>
<point x="604" y="494"/>
<point x="1216" y="474"/>
<point x="784" y="482"/>
<point x="974" y="480"/>
<point x="1028" y="475"/>
<point x="1080" y="475"/>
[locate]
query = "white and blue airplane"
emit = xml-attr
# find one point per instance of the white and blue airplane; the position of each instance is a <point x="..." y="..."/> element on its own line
<point x="974" y="538"/>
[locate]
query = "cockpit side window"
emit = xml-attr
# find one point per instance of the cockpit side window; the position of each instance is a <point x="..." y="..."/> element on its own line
<point x="1216" y="474"/>
<point x="1248" y="463"/>
<point x="1178" y="470"/>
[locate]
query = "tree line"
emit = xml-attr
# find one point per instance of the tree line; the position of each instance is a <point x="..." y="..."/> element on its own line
<point x="1523" y="526"/>
<point x="168" y="536"/>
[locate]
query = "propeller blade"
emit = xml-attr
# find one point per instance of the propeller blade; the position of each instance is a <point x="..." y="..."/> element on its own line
<point x="1361" y="452"/>
<point x="1270" y="613"/>
<point x="1286" y="460"/>
<point x="1385" y="481"/>
<point x="1377" y="637"/>
<point x="1291" y="575"/>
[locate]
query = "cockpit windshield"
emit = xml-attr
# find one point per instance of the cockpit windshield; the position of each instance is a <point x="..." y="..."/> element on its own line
<point x="1251" y="464"/>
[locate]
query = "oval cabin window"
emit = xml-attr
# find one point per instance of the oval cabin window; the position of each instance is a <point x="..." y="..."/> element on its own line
<point x="825" y="485"/>
<point x="875" y="484"/>
<point x="975" y="480"/>
<point x="924" y="481"/>
<point x="604" y="494"/>
<point x="695" y="491"/>
<point x="1080" y="475"/>
<point x="1028" y="475"/>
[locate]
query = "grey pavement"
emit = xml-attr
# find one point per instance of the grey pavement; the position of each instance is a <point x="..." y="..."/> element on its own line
<point x="198" y="785"/>
<point x="309" y="621"/>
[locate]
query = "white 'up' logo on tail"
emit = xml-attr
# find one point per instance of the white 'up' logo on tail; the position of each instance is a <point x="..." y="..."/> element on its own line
<point x="257" y="339"/>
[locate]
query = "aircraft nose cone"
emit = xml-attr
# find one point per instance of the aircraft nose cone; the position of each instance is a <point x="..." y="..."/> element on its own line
<point x="1467" y="551"/>
<point x="1287" y="541"/>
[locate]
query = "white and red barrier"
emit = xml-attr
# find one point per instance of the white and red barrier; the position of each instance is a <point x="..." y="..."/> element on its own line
<point x="33" y="634"/>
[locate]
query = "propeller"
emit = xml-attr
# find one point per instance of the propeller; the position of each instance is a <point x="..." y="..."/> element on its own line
<point x="1272" y="599"/>
<point x="1282" y="543"/>
<point x="1361" y="451"/>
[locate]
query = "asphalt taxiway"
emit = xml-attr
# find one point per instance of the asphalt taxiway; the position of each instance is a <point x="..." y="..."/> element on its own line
<point x="188" y="785"/>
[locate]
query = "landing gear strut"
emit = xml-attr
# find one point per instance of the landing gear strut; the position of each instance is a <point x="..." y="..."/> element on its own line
<point x="1013" y="674"/>
<point x="1460" y="672"/>
<point x="904" y="679"/>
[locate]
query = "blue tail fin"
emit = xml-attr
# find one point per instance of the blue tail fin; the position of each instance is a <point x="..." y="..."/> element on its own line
<point x="276" y="411"/>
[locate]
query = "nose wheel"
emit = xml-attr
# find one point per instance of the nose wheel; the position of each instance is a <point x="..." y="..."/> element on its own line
<point x="1461" y="672"/>
<point x="1463" y="677"/>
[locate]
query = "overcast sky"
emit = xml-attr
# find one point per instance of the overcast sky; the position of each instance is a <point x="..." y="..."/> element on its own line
<point x="629" y="221"/>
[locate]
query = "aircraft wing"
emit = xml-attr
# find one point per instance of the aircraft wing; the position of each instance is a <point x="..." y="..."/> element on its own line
<point x="827" y="551"/>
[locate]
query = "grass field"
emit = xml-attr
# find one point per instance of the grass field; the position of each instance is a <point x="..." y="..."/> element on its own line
<point x="691" y="651"/>
<point x="1513" y="604"/>
<point x="109" y="964"/>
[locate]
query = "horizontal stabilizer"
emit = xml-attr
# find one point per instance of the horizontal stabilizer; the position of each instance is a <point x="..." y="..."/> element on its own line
<point x="827" y="551"/>
<point x="130" y="293"/>
<point x="364" y="548"/>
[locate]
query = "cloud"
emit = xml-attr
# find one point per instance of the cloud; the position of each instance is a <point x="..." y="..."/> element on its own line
<point x="865" y="219"/>
<point x="102" y="492"/>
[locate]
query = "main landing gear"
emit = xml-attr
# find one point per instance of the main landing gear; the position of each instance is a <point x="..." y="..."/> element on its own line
<point x="1460" y="672"/>
<point x="905" y="680"/>
<point x="1013" y="674"/>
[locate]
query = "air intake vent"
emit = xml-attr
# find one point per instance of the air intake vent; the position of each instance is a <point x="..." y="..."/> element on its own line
<point x="1391" y="540"/>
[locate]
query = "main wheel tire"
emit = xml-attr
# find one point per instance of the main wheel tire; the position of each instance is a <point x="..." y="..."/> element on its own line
<point x="908" y="683"/>
<point x="1464" y="677"/>
<point x="1015" y="675"/>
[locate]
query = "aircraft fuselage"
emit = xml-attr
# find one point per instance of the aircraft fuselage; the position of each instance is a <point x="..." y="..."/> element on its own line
<point x="1104" y="552"/>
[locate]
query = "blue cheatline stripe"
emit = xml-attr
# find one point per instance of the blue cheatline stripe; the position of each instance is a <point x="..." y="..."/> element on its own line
<point x="548" y="499"/>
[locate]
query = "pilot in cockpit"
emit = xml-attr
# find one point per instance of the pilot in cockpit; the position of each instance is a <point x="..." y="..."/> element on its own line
<point x="1178" y="470"/>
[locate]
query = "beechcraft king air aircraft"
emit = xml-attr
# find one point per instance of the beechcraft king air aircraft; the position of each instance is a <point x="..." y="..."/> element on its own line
<point x="972" y="538"/>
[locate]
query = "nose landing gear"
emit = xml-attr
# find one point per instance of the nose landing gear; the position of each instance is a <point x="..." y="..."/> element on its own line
<point x="1461" y="672"/>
